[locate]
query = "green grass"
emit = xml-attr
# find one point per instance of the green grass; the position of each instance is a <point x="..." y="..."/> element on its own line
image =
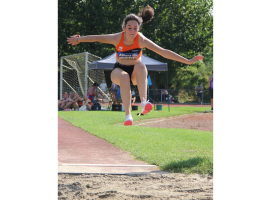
<point x="175" y="150"/>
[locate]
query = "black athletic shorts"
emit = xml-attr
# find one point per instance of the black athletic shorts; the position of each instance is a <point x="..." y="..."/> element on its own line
<point x="211" y="93"/>
<point x="127" y="68"/>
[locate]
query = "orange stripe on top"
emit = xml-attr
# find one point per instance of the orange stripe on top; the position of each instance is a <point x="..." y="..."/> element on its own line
<point x="128" y="52"/>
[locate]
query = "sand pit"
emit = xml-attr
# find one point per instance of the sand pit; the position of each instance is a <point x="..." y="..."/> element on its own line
<point x="120" y="187"/>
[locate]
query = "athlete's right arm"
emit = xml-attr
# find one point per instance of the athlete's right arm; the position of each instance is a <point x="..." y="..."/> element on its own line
<point x="108" y="38"/>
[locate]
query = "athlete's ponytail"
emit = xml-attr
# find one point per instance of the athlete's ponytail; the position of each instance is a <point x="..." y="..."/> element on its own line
<point x="144" y="16"/>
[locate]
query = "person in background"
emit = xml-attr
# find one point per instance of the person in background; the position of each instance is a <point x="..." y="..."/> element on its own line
<point x="118" y="97"/>
<point x="114" y="87"/>
<point x="199" y="89"/>
<point x="68" y="102"/>
<point x="76" y="99"/>
<point x="103" y="86"/>
<point x="210" y="85"/>
<point x="79" y="101"/>
<point x="92" y="92"/>
<point x="72" y="101"/>
<point x="164" y="95"/>
<point x="86" y="106"/>
<point x="62" y="102"/>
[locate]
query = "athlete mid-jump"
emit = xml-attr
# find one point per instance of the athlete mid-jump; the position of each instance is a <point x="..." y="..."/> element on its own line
<point x="129" y="44"/>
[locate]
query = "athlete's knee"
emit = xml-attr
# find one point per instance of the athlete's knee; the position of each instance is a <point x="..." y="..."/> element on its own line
<point x="140" y="67"/>
<point x="125" y="78"/>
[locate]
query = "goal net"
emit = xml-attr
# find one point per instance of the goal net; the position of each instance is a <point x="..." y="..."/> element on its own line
<point x="75" y="76"/>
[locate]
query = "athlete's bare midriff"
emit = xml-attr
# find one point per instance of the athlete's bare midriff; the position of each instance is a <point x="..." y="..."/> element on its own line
<point x="128" y="62"/>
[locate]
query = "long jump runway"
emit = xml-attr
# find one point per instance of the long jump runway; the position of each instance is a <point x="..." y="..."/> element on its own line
<point x="79" y="152"/>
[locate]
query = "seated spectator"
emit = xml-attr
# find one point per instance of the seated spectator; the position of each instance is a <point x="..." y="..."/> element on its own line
<point x="86" y="104"/>
<point x="92" y="92"/>
<point x="72" y="101"/>
<point x="77" y="99"/>
<point x="199" y="89"/>
<point x="62" y="102"/>
<point x="114" y="89"/>
<point x="68" y="102"/>
<point x="80" y="101"/>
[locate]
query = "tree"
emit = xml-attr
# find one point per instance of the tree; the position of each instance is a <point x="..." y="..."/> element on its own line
<point x="183" y="26"/>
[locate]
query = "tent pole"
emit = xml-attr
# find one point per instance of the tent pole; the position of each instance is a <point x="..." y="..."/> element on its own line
<point x="86" y="73"/>
<point x="168" y="92"/>
<point x="61" y="77"/>
<point x="96" y="83"/>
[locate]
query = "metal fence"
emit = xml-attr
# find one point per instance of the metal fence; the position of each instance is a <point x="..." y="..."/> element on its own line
<point x="174" y="96"/>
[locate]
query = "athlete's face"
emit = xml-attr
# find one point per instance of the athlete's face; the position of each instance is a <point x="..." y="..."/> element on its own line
<point x="131" y="29"/>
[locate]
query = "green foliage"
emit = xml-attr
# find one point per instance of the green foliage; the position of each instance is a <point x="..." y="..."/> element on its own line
<point x="183" y="26"/>
<point x="173" y="149"/>
<point x="189" y="76"/>
<point x="89" y="18"/>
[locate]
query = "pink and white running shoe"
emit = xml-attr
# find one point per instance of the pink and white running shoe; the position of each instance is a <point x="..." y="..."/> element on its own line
<point x="128" y="120"/>
<point x="146" y="106"/>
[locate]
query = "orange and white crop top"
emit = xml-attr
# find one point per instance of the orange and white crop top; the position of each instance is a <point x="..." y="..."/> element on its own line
<point x="132" y="52"/>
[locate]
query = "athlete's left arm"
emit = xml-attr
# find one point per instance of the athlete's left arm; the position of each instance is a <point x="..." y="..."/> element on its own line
<point x="146" y="43"/>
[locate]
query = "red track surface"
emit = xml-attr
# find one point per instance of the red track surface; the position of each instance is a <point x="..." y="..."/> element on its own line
<point x="76" y="146"/>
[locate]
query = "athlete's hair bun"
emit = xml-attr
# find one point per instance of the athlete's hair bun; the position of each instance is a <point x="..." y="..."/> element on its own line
<point x="146" y="13"/>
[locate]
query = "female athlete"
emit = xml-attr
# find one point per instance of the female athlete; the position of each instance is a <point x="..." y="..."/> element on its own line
<point x="129" y="45"/>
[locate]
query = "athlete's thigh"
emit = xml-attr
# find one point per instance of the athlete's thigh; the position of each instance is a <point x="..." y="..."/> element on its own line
<point x="133" y="76"/>
<point x="116" y="75"/>
<point x="140" y="67"/>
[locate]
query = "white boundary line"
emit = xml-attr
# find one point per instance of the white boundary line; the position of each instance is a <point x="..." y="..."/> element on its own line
<point x="107" y="165"/>
<point x="151" y="122"/>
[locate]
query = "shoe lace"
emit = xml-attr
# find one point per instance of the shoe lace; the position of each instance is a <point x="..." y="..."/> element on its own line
<point x="144" y="101"/>
<point x="129" y="116"/>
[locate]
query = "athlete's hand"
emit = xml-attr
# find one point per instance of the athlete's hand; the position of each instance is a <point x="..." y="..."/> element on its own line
<point x="73" y="40"/>
<point x="195" y="59"/>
